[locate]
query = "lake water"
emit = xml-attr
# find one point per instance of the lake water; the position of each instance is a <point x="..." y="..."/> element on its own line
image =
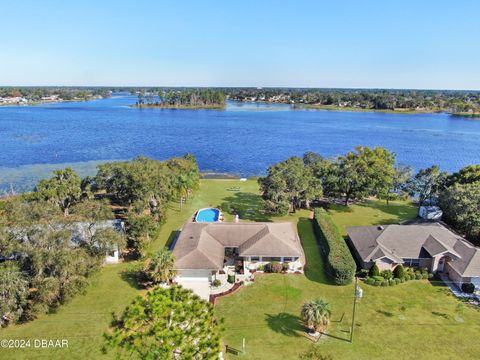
<point x="244" y="139"/>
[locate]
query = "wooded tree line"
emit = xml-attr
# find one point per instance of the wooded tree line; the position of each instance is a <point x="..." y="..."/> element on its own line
<point x="43" y="261"/>
<point x="434" y="100"/>
<point x="365" y="172"/>
<point x="184" y="97"/>
<point x="64" y="93"/>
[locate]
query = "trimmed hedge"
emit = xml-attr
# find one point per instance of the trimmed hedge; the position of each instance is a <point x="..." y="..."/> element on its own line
<point x="339" y="263"/>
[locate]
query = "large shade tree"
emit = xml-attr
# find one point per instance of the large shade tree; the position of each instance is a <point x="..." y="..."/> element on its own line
<point x="427" y="184"/>
<point x="63" y="189"/>
<point x="364" y="172"/>
<point x="288" y="185"/>
<point x="461" y="208"/>
<point x="167" y="324"/>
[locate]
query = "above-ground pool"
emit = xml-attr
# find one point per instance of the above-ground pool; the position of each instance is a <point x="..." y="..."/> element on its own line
<point x="208" y="215"/>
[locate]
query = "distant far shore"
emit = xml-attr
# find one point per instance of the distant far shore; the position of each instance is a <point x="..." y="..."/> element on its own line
<point x="180" y="107"/>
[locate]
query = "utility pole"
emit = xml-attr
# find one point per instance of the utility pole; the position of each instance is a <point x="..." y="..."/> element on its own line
<point x="354" y="305"/>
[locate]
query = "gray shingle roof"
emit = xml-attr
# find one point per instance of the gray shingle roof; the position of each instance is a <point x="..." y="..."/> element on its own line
<point x="411" y="241"/>
<point x="201" y="245"/>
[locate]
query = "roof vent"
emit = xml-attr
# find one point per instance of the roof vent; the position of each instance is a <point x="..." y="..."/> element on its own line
<point x="379" y="227"/>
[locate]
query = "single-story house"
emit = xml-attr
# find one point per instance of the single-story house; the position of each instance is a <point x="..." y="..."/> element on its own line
<point x="203" y="250"/>
<point x="428" y="245"/>
<point x="80" y="232"/>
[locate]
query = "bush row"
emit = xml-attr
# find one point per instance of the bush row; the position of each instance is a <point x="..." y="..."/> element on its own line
<point x="339" y="263"/>
<point x="398" y="276"/>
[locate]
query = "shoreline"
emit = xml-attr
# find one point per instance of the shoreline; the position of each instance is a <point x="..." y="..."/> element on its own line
<point x="41" y="102"/>
<point x="180" y="107"/>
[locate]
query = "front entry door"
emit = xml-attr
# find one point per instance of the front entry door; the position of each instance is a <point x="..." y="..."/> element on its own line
<point x="441" y="265"/>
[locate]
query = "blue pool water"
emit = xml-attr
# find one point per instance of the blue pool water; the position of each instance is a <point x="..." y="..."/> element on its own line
<point x="244" y="139"/>
<point x="208" y="215"/>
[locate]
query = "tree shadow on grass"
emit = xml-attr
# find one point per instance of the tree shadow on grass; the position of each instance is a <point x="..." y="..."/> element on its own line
<point x="285" y="324"/>
<point x="248" y="206"/>
<point x="172" y="238"/>
<point x="314" y="267"/>
<point x="132" y="277"/>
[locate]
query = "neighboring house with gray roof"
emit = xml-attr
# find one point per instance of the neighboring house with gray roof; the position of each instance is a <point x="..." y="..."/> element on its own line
<point x="429" y="245"/>
<point x="202" y="250"/>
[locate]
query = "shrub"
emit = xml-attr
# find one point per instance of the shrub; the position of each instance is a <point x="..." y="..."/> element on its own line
<point x="430" y="276"/>
<point x="261" y="268"/>
<point x="425" y="275"/>
<point x="392" y="282"/>
<point x="402" y="280"/>
<point x="397" y="281"/>
<point x="285" y="267"/>
<point x="216" y="283"/>
<point x="363" y="273"/>
<point x="231" y="278"/>
<point x="385" y="283"/>
<point x="370" y="281"/>
<point x="468" y="288"/>
<point x="387" y="274"/>
<point x="418" y="276"/>
<point x="374" y="270"/>
<point x="378" y="277"/>
<point x="274" y="267"/>
<point x="339" y="263"/>
<point x="378" y="282"/>
<point x="399" y="272"/>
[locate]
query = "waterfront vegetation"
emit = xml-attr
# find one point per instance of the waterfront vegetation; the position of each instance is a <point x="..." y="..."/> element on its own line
<point x="37" y="95"/>
<point x="275" y="326"/>
<point x="182" y="99"/>
<point x="399" y="101"/>
<point x="459" y="103"/>
<point x="45" y="263"/>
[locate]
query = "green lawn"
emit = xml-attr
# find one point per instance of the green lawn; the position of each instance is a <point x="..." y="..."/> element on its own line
<point x="416" y="319"/>
<point x="86" y="317"/>
<point x="266" y="313"/>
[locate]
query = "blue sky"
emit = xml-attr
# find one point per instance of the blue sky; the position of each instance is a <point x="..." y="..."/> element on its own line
<point x="388" y="44"/>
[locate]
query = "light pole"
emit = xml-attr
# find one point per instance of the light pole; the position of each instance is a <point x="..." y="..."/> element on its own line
<point x="358" y="293"/>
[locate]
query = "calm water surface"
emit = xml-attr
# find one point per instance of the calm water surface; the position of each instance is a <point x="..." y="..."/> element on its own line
<point x="243" y="139"/>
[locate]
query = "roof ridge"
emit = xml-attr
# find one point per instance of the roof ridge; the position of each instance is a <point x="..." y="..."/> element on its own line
<point x="252" y="240"/>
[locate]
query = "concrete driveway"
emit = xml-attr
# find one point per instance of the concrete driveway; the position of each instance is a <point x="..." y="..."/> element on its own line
<point x="200" y="286"/>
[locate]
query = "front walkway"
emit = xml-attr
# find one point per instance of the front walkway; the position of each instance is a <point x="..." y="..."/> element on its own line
<point x="456" y="290"/>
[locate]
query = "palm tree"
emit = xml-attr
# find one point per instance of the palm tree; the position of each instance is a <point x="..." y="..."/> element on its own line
<point x="160" y="268"/>
<point x="316" y="315"/>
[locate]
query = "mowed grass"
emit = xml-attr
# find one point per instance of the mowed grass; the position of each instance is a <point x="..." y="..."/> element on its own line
<point x="84" y="320"/>
<point x="418" y="319"/>
<point x="414" y="319"/>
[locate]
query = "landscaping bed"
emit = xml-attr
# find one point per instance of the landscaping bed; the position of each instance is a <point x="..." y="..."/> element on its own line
<point x="399" y="275"/>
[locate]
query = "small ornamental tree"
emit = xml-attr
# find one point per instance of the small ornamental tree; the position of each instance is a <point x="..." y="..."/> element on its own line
<point x="160" y="268"/>
<point x="374" y="270"/>
<point x="399" y="272"/>
<point x="468" y="288"/>
<point x="316" y="315"/>
<point x="166" y="324"/>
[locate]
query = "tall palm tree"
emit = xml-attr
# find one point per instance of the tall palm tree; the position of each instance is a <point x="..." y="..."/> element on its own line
<point x="161" y="267"/>
<point x="316" y="315"/>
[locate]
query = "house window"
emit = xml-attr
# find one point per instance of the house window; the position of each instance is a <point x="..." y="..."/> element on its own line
<point x="254" y="258"/>
<point x="411" y="262"/>
<point x="287" y="259"/>
<point x="272" y="259"/>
